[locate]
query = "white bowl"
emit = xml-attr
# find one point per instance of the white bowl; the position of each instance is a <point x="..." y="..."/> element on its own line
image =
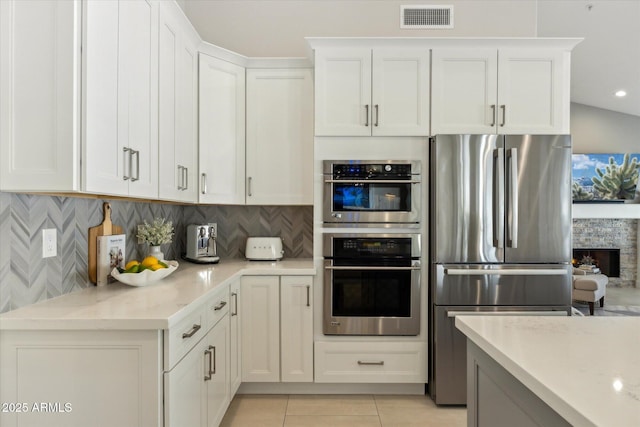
<point x="145" y="277"/>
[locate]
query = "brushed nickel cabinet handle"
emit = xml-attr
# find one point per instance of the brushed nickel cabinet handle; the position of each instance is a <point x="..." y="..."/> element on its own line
<point x="366" y="115"/>
<point x="203" y="183"/>
<point x="207" y="375"/>
<point x="125" y="151"/>
<point x="219" y="306"/>
<point x="137" y="154"/>
<point x="181" y="174"/>
<point x="192" y="332"/>
<point x="249" y="186"/>
<point x="493" y="115"/>
<point x="235" y="300"/>
<point x="308" y="291"/>
<point x="377" y="114"/>
<point x="504" y="114"/>
<point x="185" y="170"/>
<point x="380" y="363"/>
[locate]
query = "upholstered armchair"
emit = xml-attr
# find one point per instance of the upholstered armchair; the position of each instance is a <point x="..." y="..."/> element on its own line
<point x="589" y="288"/>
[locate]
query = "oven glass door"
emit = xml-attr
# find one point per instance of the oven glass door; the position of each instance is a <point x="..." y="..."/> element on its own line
<point x="375" y="202"/>
<point x="371" y="196"/>
<point x="372" y="300"/>
<point x="371" y="293"/>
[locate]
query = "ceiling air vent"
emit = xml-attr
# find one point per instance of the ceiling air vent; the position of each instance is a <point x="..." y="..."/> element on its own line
<point x="426" y="17"/>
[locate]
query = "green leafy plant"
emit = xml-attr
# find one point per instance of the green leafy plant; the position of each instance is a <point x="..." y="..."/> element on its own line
<point x="579" y="193"/>
<point x="617" y="181"/>
<point x="156" y="233"/>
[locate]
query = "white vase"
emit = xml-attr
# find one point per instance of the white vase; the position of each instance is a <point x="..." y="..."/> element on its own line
<point x="156" y="252"/>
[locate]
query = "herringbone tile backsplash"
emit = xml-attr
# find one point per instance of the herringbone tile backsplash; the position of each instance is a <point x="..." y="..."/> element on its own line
<point x="25" y="277"/>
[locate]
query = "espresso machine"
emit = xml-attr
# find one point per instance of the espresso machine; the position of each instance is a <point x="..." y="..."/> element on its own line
<point x="202" y="247"/>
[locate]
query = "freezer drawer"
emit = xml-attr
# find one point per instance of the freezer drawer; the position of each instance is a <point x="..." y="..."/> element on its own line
<point x="448" y="364"/>
<point x="501" y="285"/>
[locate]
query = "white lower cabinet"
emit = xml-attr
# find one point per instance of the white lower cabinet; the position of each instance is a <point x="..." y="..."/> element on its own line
<point x="370" y="362"/>
<point x="196" y="389"/>
<point x="275" y="307"/>
<point x="81" y="378"/>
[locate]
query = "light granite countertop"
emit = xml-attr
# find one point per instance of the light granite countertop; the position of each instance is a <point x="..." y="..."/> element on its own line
<point x="156" y="306"/>
<point x="586" y="368"/>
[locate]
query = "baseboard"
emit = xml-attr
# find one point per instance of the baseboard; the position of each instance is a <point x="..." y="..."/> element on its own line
<point x="324" y="388"/>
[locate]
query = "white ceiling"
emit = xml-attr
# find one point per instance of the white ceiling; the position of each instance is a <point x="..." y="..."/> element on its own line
<point x="609" y="57"/>
<point x="606" y="61"/>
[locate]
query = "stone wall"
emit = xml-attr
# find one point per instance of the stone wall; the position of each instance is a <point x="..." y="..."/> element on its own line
<point x="611" y="233"/>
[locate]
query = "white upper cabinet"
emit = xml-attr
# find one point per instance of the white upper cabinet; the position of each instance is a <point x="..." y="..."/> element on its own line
<point x="279" y="148"/>
<point x="363" y="92"/>
<point x="121" y="98"/>
<point x="507" y="90"/>
<point x="222" y="131"/>
<point x="178" y="94"/>
<point x="39" y="89"/>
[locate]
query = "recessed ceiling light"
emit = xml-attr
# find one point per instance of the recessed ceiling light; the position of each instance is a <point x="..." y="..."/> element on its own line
<point x="621" y="93"/>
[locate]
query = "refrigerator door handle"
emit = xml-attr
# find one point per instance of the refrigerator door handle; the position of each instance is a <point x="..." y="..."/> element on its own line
<point x="512" y="231"/>
<point x="505" y="272"/>
<point x="506" y="313"/>
<point x="498" y="198"/>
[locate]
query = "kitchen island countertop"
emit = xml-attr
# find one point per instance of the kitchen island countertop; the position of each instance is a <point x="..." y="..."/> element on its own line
<point x="585" y="369"/>
<point x="156" y="306"/>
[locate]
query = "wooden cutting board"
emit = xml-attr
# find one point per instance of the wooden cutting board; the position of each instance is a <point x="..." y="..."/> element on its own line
<point x="104" y="229"/>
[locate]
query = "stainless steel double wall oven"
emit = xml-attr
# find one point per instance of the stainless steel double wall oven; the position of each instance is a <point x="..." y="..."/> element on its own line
<point x="372" y="279"/>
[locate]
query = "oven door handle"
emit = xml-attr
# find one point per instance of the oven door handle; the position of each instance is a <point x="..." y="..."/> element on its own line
<point x="371" y="181"/>
<point x="453" y="313"/>
<point x="372" y="268"/>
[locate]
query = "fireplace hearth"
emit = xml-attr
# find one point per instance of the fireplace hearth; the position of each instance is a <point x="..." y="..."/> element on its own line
<point x="606" y="259"/>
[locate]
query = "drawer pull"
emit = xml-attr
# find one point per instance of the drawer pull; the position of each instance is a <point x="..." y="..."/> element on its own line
<point x="219" y="306"/>
<point x="380" y="363"/>
<point x="192" y="332"/>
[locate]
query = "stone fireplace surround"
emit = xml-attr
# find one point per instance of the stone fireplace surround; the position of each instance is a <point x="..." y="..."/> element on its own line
<point x="611" y="233"/>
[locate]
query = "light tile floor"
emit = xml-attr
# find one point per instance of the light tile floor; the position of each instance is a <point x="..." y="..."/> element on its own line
<point x="340" y="410"/>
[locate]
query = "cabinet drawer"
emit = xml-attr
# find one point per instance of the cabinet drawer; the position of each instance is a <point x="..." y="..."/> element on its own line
<point x="179" y="339"/>
<point x="217" y="307"/>
<point x="370" y="362"/>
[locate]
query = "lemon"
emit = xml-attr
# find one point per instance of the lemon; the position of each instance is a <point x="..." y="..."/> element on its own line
<point x="155" y="267"/>
<point x="149" y="261"/>
<point x="131" y="264"/>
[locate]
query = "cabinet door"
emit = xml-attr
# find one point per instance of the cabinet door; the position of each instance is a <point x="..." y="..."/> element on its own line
<point x="177" y="107"/>
<point x="138" y="92"/>
<point x="216" y="359"/>
<point x="296" y="313"/>
<point x="343" y="92"/>
<point x="185" y="390"/>
<point x="39" y="87"/>
<point x="103" y="158"/>
<point x="222" y="131"/>
<point x="121" y="98"/>
<point x="279" y="137"/>
<point x="235" y="339"/>
<point x="533" y="91"/>
<point x="400" y="94"/>
<point x="260" y="301"/>
<point x="464" y="91"/>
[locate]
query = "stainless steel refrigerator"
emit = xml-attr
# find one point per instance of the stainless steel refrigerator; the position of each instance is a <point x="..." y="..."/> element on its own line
<point x="500" y="233"/>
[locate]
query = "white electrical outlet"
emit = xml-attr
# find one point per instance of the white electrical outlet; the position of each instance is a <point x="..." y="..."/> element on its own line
<point x="49" y="243"/>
